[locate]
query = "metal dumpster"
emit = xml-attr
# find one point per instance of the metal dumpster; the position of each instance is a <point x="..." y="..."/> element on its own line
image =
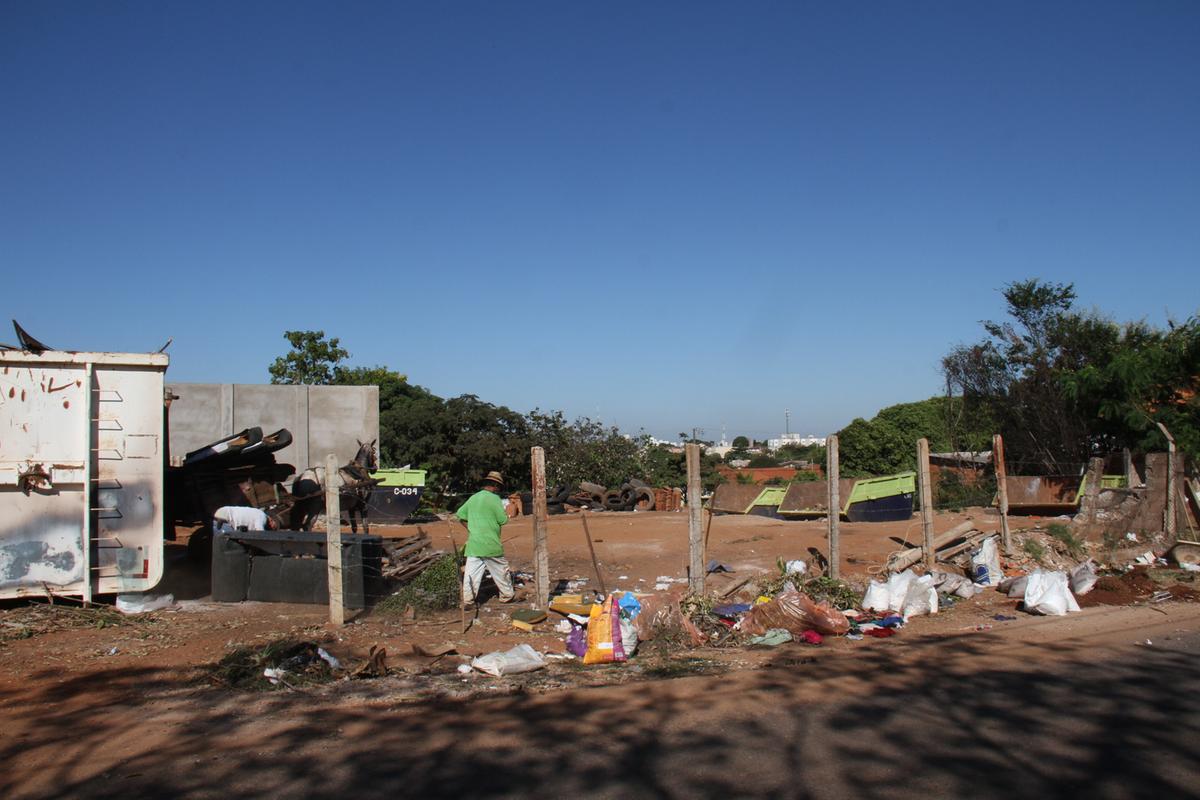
<point x="81" y="472"/>
<point x="292" y="567"/>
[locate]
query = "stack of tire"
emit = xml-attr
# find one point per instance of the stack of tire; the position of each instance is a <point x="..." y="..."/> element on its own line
<point x="631" y="495"/>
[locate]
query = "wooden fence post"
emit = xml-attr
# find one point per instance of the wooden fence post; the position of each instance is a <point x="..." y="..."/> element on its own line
<point x="333" y="541"/>
<point x="541" y="555"/>
<point x="926" y="501"/>
<point x="695" y="520"/>
<point x="835" y="506"/>
<point x="1002" y="491"/>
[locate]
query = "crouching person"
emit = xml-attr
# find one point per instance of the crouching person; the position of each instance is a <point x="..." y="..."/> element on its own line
<point x="484" y="515"/>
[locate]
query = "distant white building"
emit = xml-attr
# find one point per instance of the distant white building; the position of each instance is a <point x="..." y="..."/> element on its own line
<point x="794" y="439"/>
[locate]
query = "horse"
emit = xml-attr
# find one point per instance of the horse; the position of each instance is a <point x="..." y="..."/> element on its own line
<point x="355" y="485"/>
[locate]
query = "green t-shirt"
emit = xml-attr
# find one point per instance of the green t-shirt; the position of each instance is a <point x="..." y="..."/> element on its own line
<point x="484" y="514"/>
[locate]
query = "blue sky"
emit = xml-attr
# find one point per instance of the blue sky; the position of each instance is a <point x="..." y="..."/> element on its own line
<point x="664" y="215"/>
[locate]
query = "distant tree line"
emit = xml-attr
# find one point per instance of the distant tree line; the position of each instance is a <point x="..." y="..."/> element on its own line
<point x="458" y="440"/>
<point x="1061" y="385"/>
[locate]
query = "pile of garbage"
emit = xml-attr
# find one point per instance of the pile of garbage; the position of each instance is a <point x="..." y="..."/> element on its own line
<point x="284" y="663"/>
<point x="632" y="495"/>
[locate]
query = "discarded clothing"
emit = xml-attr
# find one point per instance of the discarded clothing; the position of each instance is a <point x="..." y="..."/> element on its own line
<point x="811" y="637"/>
<point x="772" y="638"/>
<point x="879" y="633"/>
<point x="731" y="610"/>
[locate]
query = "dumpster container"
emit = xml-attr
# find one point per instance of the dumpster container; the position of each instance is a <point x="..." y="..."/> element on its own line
<point x="81" y="472"/>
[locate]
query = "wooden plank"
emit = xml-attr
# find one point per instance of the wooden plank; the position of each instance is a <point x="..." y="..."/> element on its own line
<point x="592" y="549"/>
<point x="904" y="560"/>
<point x="926" y="501"/>
<point x="695" y="522"/>
<point x="835" y="507"/>
<point x="1001" y="470"/>
<point x="333" y="541"/>
<point x="541" y="554"/>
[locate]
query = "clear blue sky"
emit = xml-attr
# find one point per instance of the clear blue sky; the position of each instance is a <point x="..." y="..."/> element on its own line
<point x="664" y="215"/>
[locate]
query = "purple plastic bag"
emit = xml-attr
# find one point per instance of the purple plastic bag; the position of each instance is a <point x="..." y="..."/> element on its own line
<point x="577" y="640"/>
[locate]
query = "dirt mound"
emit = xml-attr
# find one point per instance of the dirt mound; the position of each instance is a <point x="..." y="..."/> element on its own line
<point x="1119" y="590"/>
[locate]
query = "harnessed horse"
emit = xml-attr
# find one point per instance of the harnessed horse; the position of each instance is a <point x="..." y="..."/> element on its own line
<point x="354" y="490"/>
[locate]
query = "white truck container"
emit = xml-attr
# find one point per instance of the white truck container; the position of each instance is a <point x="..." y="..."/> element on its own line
<point x="81" y="472"/>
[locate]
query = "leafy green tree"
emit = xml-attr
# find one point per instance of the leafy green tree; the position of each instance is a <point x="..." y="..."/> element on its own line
<point x="1063" y="385"/>
<point x="312" y="360"/>
<point x="740" y="442"/>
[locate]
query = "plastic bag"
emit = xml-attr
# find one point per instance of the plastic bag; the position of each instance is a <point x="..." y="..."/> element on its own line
<point x="604" y="643"/>
<point x="1083" y="578"/>
<point x="1047" y="593"/>
<point x="521" y="658"/>
<point x="143" y="603"/>
<point x="985" y="563"/>
<point x="876" y="597"/>
<point x="660" y="612"/>
<point x="794" y="612"/>
<point x="950" y="583"/>
<point x="1014" y="587"/>
<point x="629" y="637"/>
<point x="921" y="598"/>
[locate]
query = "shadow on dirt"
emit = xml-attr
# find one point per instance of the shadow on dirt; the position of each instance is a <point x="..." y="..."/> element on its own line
<point x="924" y="719"/>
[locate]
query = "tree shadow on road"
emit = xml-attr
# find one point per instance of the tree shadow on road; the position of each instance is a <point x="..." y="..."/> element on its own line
<point x="928" y="718"/>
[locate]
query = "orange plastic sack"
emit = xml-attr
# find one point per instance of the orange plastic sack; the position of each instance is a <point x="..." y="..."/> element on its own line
<point x="795" y="612"/>
<point x="604" y="633"/>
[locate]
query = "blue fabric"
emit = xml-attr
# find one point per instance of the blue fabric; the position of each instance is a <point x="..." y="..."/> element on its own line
<point x="630" y="605"/>
<point x="731" y="610"/>
<point x="894" y="621"/>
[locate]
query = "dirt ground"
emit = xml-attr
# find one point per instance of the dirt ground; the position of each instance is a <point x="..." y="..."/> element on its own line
<point x="57" y="667"/>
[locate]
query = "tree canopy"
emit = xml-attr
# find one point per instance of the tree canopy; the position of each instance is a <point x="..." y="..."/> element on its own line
<point x="313" y="359"/>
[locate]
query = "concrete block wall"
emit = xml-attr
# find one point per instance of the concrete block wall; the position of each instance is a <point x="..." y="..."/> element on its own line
<point x="322" y="419"/>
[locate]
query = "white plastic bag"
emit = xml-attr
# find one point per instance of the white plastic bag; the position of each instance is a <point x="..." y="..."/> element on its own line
<point x="1047" y="593"/>
<point x="898" y="588"/>
<point x="143" y="603"/>
<point x="1014" y="587"/>
<point x="876" y="597"/>
<point x="796" y="567"/>
<point x="629" y="636"/>
<point x="1083" y="578"/>
<point x="920" y="598"/>
<point x="985" y="563"/>
<point x="955" y="584"/>
<point x="521" y="658"/>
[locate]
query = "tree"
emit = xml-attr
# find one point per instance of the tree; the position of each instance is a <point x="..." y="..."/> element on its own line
<point x="312" y="360"/>
<point x="1062" y="385"/>
<point x="740" y="442"/>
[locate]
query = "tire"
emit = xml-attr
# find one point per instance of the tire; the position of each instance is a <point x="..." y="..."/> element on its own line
<point x="526" y="503"/>
<point x="638" y="484"/>
<point x="629" y="497"/>
<point x="592" y="488"/>
<point x="645" y="499"/>
<point x="613" y="500"/>
<point x="560" y="494"/>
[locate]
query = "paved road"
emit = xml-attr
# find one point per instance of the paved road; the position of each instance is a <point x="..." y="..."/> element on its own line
<point x="972" y="716"/>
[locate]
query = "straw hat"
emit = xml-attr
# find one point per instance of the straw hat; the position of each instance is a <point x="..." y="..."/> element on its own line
<point x="494" y="477"/>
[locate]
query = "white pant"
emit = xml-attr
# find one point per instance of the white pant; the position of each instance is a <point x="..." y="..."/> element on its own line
<point x="473" y="577"/>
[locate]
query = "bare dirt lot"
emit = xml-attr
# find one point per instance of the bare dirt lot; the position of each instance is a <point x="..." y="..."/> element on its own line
<point x="93" y="704"/>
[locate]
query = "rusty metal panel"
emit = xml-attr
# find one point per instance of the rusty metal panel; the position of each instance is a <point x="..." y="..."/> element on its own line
<point x="58" y="534"/>
<point x="1043" y="493"/>
<point x="811" y="498"/>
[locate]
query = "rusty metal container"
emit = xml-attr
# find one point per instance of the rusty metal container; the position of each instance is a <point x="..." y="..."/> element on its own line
<point x="81" y="472"/>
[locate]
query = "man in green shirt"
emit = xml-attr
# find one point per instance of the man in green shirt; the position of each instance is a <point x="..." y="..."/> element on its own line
<point x="484" y="515"/>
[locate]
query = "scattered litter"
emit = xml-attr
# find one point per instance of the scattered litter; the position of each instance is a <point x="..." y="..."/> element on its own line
<point x="463" y="669"/>
<point x="328" y="659"/>
<point x="797" y="613"/>
<point x="879" y="633"/>
<point x="771" y="638"/>
<point x="716" y="566"/>
<point x="274" y="675"/>
<point x="113" y="651"/>
<point x="521" y="658"/>
<point x="564" y="626"/>
<point x="795" y="567"/>
<point x="1131" y="536"/>
<point x="1003" y="618"/>
<point x="661" y="587"/>
<point x="1083" y="578"/>
<point x="560" y="656"/>
<point x="143" y="603"/>
<point x="1047" y="593"/>
<point x="812" y="637"/>
<point x="624" y="578"/>
<point x="1160" y="597"/>
<point x="985" y="563"/>
<point x="1146" y="558"/>
<point x="732" y="610"/>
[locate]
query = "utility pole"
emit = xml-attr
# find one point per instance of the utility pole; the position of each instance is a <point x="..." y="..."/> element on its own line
<point x="787" y="422"/>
